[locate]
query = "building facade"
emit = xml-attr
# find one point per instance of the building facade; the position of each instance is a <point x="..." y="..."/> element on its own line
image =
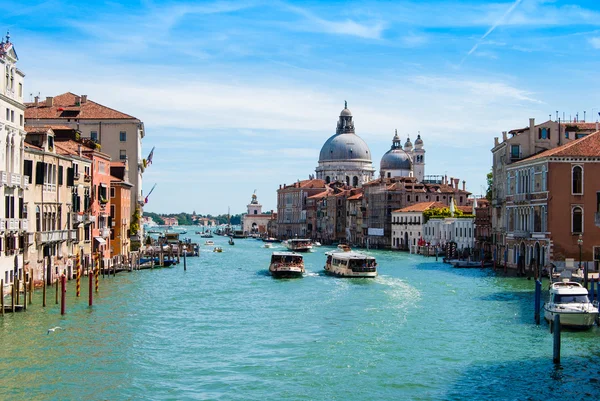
<point x="291" y="207"/>
<point x="255" y="221"/>
<point x="13" y="224"/>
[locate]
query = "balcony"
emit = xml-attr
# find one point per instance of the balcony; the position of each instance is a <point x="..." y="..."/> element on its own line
<point x="105" y="232"/>
<point x="521" y="234"/>
<point x="12" y="224"/>
<point x="3" y="177"/>
<point x="88" y="218"/>
<point x="87" y="178"/>
<point x="25" y="184"/>
<point x="76" y="176"/>
<point x="2" y="224"/>
<point x="15" y="179"/>
<point x="52" y="236"/>
<point x="49" y="187"/>
<point x="72" y="235"/>
<point x="77" y="218"/>
<point x="24" y="225"/>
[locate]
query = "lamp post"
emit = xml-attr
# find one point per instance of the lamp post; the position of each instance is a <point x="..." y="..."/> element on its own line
<point x="580" y="243"/>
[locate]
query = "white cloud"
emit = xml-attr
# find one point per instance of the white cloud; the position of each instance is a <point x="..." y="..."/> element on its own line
<point x="595" y="42"/>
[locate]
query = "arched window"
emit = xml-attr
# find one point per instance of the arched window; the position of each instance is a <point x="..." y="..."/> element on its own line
<point x="355" y="181"/>
<point x="328" y="179"/>
<point x="38" y="219"/>
<point x="255" y="211"/>
<point x="347" y="180"/>
<point x="577" y="220"/>
<point x="577" y="180"/>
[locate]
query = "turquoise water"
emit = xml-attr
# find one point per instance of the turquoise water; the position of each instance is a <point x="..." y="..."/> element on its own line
<point x="225" y="330"/>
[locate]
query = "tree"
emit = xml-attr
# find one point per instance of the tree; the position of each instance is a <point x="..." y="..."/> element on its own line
<point x="134" y="226"/>
<point x="490" y="183"/>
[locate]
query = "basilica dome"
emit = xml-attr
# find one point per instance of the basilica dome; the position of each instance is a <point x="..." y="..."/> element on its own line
<point x="345" y="144"/>
<point x="396" y="161"/>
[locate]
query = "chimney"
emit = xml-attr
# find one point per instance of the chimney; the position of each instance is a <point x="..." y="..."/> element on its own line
<point x="79" y="150"/>
<point x="77" y="100"/>
<point x="36" y="101"/>
<point x="49" y="101"/>
<point x="464" y="185"/>
<point x="451" y="182"/>
<point x="83" y="99"/>
<point x="456" y="181"/>
<point x="532" y="137"/>
<point x="504" y="136"/>
<point x="496" y="142"/>
<point x="445" y="180"/>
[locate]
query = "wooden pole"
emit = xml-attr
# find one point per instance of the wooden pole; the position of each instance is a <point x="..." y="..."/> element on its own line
<point x="185" y="260"/>
<point x="25" y="284"/>
<point x="97" y="274"/>
<point x="2" y="296"/>
<point x="91" y="293"/>
<point x="57" y="284"/>
<point x="31" y="287"/>
<point x="63" y="295"/>
<point x="538" y="298"/>
<point x="44" y="287"/>
<point x="18" y="294"/>
<point x="12" y="298"/>
<point x="78" y="264"/>
<point x="556" y="344"/>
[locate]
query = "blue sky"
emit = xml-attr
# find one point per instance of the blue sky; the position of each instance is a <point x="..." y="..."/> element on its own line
<point x="238" y="96"/>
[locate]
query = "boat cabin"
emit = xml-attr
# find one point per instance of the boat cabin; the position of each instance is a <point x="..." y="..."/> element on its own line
<point x="286" y="258"/>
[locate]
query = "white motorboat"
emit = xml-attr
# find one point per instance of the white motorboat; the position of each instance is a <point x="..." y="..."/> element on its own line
<point x="268" y="245"/>
<point x="344" y="248"/>
<point x="286" y="265"/>
<point x="299" y="245"/>
<point x="350" y="264"/>
<point x="316" y="243"/>
<point x="570" y="301"/>
<point x="209" y="243"/>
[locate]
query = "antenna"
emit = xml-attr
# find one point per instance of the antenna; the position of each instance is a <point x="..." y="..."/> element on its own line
<point x="584" y="116"/>
<point x="556" y="115"/>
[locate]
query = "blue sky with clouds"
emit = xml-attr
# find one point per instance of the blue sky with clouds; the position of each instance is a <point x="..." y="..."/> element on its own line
<point x="238" y="96"/>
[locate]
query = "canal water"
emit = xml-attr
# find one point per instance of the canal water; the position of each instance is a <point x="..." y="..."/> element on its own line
<point x="225" y="330"/>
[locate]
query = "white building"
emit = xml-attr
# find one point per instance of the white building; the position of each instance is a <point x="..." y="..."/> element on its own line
<point x="255" y="221"/>
<point x="345" y="157"/>
<point x="12" y="184"/>
<point x="438" y="232"/>
<point x="408" y="224"/>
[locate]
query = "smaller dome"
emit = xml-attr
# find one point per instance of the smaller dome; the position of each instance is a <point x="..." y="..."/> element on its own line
<point x="396" y="159"/>
<point x="408" y="143"/>
<point x="419" y="141"/>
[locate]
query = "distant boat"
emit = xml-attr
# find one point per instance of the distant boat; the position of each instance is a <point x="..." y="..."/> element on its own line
<point x="209" y="242"/>
<point x="299" y="245"/>
<point x="231" y="241"/>
<point x="218" y="249"/>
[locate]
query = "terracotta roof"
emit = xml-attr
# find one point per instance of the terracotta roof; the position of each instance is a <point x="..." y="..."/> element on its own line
<point x="30" y="146"/>
<point x="421" y="207"/>
<point x="69" y="147"/>
<point x="320" y="195"/>
<point x="465" y="209"/>
<point x="64" y="107"/>
<point x="588" y="146"/>
<point x="358" y="196"/>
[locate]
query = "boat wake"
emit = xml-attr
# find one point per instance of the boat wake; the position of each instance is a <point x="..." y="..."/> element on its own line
<point x="402" y="294"/>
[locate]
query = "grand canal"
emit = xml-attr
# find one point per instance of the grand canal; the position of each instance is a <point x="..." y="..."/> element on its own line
<point x="226" y="330"/>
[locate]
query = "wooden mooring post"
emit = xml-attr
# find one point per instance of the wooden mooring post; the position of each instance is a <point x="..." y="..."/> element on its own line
<point x="31" y="287"/>
<point x="63" y="293"/>
<point x="17" y="292"/>
<point x="25" y="284"/>
<point x="57" y="284"/>
<point x="12" y="298"/>
<point x="538" y="300"/>
<point x="185" y="260"/>
<point x="556" y="338"/>
<point x="2" y="296"/>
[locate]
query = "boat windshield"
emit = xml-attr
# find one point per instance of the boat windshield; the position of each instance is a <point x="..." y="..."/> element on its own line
<point x="287" y="260"/>
<point x="570" y="298"/>
<point x="362" y="262"/>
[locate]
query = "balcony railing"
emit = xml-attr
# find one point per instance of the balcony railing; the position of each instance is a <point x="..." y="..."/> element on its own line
<point x="77" y="218"/>
<point x="12" y="224"/>
<point x="50" y="187"/>
<point x="521" y="234"/>
<point x="15" y="179"/>
<point x="105" y="232"/>
<point x="3" y="177"/>
<point x="2" y="224"/>
<point x="88" y="218"/>
<point x="52" y="236"/>
<point x="72" y="235"/>
<point x="24" y="225"/>
<point x="25" y="180"/>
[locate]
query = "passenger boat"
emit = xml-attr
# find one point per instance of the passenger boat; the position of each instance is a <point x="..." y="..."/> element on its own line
<point x="350" y="264"/>
<point x="286" y="265"/>
<point x="218" y="249"/>
<point x="570" y="301"/>
<point x="299" y="245"/>
<point x="344" y="248"/>
<point x="209" y="242"/>
<point x="238" y="234"/>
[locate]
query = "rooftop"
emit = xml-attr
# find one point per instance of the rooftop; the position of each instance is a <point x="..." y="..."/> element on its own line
<point x="65" y="106"/>
<point x="588" y="146"/>
<point x="421" y="207"/>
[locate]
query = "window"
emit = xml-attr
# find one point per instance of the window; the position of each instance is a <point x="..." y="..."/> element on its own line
<point x="515" y="151"/>
<point x="544" y="133"/>
<point x="112" y="192"/>
<point x="94" y="136"/>
<point x="20" y="89"/>
<point x="577" y="220"/>
<point x="123" y="136"/>
<point x="112" y="211"/>
<point x="7" y="114"/>
<point x="21" y="120"/>
<point x="12" y="116"/>
<point x="123" y="154"/>
<point x="577" y="180"/>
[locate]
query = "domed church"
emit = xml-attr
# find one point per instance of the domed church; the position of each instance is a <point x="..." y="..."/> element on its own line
<point x="345" y="157"/>
<point x="404" y="162"/>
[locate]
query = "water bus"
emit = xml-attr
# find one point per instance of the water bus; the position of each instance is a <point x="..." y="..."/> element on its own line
<point x="350" y="264"/>
<point x="286" y="265"/>
<point x="299" y="245"/>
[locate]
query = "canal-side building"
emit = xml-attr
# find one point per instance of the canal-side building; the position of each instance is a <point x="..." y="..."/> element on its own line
<point x="13" y="226"/>
<point x="255" y="221"/>
<point x="407" y="225"/>
<point x="516" y="145"/>
<point x="119" y="134"/>
<point x="48" y="205"/>
<point x="354" y="224"/>
<point x="345" y="157"/>
<point x="120" y="209"/>
<point x="552" y="202"/>
<point x="291" y="207"/>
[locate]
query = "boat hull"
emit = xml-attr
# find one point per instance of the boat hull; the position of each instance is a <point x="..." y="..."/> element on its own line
<point x="349" y="273"/>
<point x="576" y="320"/>
<point x="286" y="272"/>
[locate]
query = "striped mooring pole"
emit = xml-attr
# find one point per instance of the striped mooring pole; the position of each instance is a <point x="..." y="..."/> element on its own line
<point x="78" y="264"/>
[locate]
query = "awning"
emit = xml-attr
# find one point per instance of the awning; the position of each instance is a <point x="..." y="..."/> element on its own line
<point x="100" y="240"/>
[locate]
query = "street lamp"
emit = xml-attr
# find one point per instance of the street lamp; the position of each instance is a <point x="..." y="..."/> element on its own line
<point x="580" y="243"/>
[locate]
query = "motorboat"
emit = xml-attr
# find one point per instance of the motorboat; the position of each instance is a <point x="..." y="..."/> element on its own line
<point x="209" y="242"/>
<point x="271" y="239"/>
<point x="268" y="245"/>
<point x="350" y="264"/>
<point x="286" y="265"/>
<point x="231" y="241"/>
<point x="570" y="301"/>
<point x="344" y="248"/>
<point x="316" y="243"/>
<point x="299" y="245"/>
<point x="218" y="249"/>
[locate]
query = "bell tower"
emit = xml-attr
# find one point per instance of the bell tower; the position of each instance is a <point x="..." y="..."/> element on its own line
<point x="254" y="207"/>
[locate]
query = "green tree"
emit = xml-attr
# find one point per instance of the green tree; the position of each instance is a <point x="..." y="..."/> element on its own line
<point x="134" y="226"/>
<point x="490" y="183"/>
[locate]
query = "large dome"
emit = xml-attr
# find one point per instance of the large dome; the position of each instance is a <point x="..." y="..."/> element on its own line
<point x="345" y="147"/>
<point x="396" y="159"/>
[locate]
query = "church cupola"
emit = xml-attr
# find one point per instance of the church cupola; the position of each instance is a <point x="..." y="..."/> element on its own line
<point x="408" y="145"/>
